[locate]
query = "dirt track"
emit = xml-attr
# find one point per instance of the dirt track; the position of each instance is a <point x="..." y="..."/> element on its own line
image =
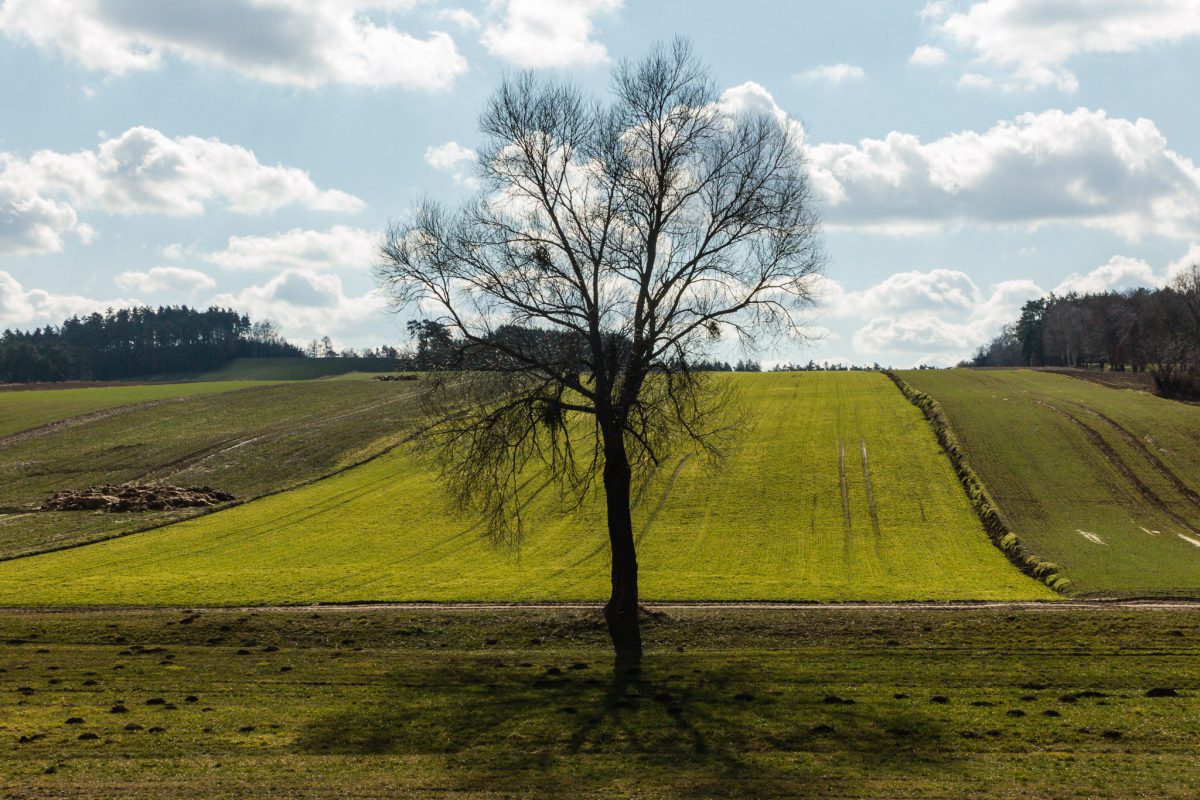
<point x="1025" y="605"/>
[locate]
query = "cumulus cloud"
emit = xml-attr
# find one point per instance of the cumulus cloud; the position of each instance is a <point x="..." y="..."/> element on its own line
<point x="1120" y="273"/>
<point x="1033" y="40"/>
<point x="927" y="56"/>
<point x="925" y="317"/>
<point x="143" y="171"/>
<point x="31" y="223"/>
<point x="751" y="97"/>
<point x="453" y="158"/>
<point x="337" y="248"/>
<point x="941" y="316"/>
<point x="1192" y="256"/>
<point x="304" y="303"/>
<point x="165" y="279"/>
<point x="29" y="308"/>
<point x="548" y="33"/>
<point x="305" y="43"/>
<point x="1054" y="167"/>
<point x="833" y="74"/>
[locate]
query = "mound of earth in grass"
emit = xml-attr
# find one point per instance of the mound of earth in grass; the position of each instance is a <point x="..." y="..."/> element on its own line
<point x="133" y="497"/>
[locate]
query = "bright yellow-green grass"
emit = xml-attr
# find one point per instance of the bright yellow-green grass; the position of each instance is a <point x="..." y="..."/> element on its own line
<point x="1102" y="481"/>
<point x="24" y="409"/>
<point x="771" y="525"/>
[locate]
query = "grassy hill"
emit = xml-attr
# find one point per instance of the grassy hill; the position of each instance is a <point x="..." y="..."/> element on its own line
<point x="839" y="491"/>
<point x="1102" y="481"/>
<point x="21" y="410"/>
<point x="295" y="369"/>
<point x="257" y="439"/>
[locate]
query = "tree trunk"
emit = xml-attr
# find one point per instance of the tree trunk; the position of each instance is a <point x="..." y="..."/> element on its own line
<point x="621" y="612"/>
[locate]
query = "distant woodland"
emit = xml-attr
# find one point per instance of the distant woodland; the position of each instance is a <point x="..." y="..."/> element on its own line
<point x="1142" y="329"/>
<point x="136" y="342"/>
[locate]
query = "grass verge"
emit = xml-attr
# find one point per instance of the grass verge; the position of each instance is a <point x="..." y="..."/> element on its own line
<point x="498" y="703"/>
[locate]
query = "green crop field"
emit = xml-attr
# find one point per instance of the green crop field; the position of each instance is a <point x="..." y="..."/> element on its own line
<point x="248" y="442"/>
<point x="837" y="491"/>
<point x="1101" y="481"/>
<point x="24" y="409"/>
<point x="295" y="369"/>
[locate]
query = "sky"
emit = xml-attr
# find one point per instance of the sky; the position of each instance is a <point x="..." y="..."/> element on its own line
<point x="966" y="156"/>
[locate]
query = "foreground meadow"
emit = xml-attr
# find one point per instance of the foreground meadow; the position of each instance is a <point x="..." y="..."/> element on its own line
<point x="1052" y="701"/>
<point x="836" y="491"/>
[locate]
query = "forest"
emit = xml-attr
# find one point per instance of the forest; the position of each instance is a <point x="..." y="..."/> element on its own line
<point x="136" y="342"/>
<point x="1155" y="330"/>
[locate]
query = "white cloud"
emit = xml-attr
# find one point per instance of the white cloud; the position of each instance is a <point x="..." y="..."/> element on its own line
<point x="973" y="80"/>
<point x="833" y="74"/>
<point x="1120" y="273"/>
<point x="452" y="157"/>
<point x="937" y="316"/>
<point x="305" y="43"/>
<point x="306" y="304"/>
<point x="337" y="248"/>
<point x="143" y="171"/>
<point x="31" y="223"/>
<point x="751" y="97"/>
<point x="927" y="56"/>
<point x="460" y="17"/>
<point x="548" y="33"/>
<point x="1034" y="39"/>
<point x="165" y="279"/>
<point x="1192" y="256"/>
<point x="29" y="308"/>
<point x="1054" y="167"/>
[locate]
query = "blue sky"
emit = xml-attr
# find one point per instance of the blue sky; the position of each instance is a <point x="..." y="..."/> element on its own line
<point x="968" y="155"/>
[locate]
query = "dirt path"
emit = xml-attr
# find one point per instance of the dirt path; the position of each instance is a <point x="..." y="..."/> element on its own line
<point x="982" y="605"/>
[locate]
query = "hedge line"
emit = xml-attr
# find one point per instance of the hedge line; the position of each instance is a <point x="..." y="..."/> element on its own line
<point x="985" y="507"/>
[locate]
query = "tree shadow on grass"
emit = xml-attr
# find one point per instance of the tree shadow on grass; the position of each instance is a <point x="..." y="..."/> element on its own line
<point x="570" y="727"/>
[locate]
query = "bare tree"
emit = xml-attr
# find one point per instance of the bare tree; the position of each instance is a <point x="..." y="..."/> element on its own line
<point x="609" y="245"/>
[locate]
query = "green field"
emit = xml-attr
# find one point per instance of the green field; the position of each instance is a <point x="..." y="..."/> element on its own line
<point x="838" y="491"/>
<point x="1101" y="481"/>
<point x="248" y="442"/>
<point x="990" y="704"/>
<point x="295" y="369"/>
<point x="24" y="409"/>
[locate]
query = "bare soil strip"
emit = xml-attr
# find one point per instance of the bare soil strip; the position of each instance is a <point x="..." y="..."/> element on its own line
<point x="957" y="605"/>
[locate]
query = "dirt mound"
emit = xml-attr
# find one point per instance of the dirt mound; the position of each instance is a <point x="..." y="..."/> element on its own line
<point x="132" y="497"/>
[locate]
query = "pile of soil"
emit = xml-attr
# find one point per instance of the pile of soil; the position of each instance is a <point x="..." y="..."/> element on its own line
<point x="132" y="497"/>
<point x="395" y="378"/>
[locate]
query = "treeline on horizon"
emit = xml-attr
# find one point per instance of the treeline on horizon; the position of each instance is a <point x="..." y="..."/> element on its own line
<point x="137" y="342"/>
<point x="1153" y="330"/>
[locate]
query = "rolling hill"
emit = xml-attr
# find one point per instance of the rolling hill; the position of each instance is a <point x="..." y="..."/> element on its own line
<point x="1104" y="482"/>
<point x="837" y="491"/>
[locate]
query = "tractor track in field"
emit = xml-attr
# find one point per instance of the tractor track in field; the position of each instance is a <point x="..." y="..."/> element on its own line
<point x="732" y="605"/>
<point x="49" y="428"/>
<point x="1159" y="466"/>
<point x="1122" y="468"/>
<point x="871" y="510"/>
<point x="846" y="522"/>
